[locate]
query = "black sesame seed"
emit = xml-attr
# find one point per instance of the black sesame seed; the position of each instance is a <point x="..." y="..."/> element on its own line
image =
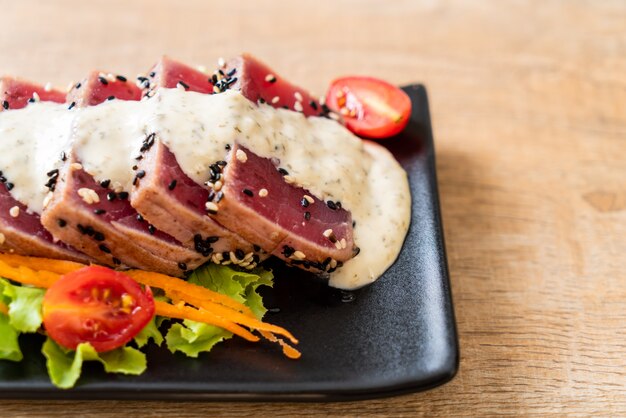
<point x="105" y="183"/>
<point x="98" y="236"/>
<point x="221" y="72"/>
<point x="78" y="85"/>
<point x="62" y="222"/>
<point x="212" y="239"/>
<point x="226" y="255"/>
<point x="211" y="196"/>
<point x="256" y="248"/>
<point x="141" y="174"/>
<point x="31" y="100"/>
<point x="139" y="218"/>
<point x="232" y="72"/>
<point x="9" y="186"/>
<point x="288" y="251"/>
<point x="151" y="229"/>
<point x="221" y="163"/>
<point x="256" y="258"/>
<point x="103" y="80"/>
<point x="304" y="203"/>
<point x="51" y="172"/>
<point x="71" y="106"/>
<point x="111" y="98"/>
<point x="81" y="229"/>
<point x="353" y="224"/>
<point x="283" y="171"/>
<point x="240" y="254"/>
<point x="135" y="167"/>
<point x="104" y="249"/>
<point x="99" y="211"/>
<point x="172" y="184"/>
<point x="63" y="156"/>
<point x="116" y="261"/>
<point x="90" y="231"/>
<point x="213" y="79"/>
<point x="307" y="215"/>
<point x="285" y="107"/>
<point x="5" y="104"/>
<point x="3" y="179"/>
<point x="111" y="196"/>
<point x="313" y="104"/>
<point x="338" y="203"/>
<point x="182" y="266"/>
<point x="121" y="78"/>
<point x="123" y="195"/>
<point x="227" y="147"/>
<point x="152" y="74"/>
<point x="219" y="196"/>
<point x="272" y="79"/>
<point x="185" y="85"/>
<point x="356" y="251"/>
<point x="248" y="192"/>
<point x="261" y="100"/>
<point x="331" y="205"/>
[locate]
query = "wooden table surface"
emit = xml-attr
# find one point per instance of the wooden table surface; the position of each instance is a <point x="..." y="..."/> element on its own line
<point x="529" y="109"/>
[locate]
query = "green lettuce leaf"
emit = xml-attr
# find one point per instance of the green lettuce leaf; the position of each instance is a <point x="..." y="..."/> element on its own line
<point x="149" y="332"/>
<point x="64" y="366"/>
<point x="24" y="306"/>
<point x="193" y="338"/>
<point x="9" y="347"/>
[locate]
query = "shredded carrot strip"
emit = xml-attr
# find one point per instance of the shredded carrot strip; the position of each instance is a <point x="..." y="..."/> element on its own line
<point x="36" y="263"/>
<point x="4" y="309"/>
<point x="239" y="318"/>
<point x="186" y="312"/>
<point x="185" y="289"/>
<point x="25" y="275"/>
<point x="288" y="350"/>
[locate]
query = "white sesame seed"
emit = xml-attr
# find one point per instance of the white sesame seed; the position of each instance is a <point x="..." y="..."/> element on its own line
<point x="338" y="245"/>
<point x="275" y="99"/>
<point x="298" y="96"/>
<point x="219" y="256"/>
<point x="334" y="116"/>
<point x="77" y="166"/>
<point x="48" y="86"/>
<point x="110" y="77"/>
<point x="47" y="199"/>
<point x="227" y="262"/>
<point x="343" y="242"/>
<point x="89" y="196"/>
<point x="221" y="62"/>
<point x="216" y="89"/>
<point x="69" y="87"/>
<point x="218" y="185"/>
<point x="299" y="255"/>
<point x="233" y="257"/>
<point x="333" y="263"/>
<point x="180" y="86"/>
<point x="297" y="106"/>
<point x="202" y="69"/>
<point x="36" y="97"/>
<point x="211" y="207"/>
<point x="249" y="256"/>
<point x="241" y="155"/>
<point x="322" y="100"/>
<point x="117" y="187"/>
<point x="14" y="211"/>
<point x="263" y="192"/>
<point x="327" y="233"/>
<point x="270" y="78"/>
<point x="289" y="179"/>
<point x="308" y="198"/>
<point x="2" y="238"/>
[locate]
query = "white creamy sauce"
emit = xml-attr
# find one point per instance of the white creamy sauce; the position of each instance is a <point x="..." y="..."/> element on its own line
<point x="32" y="140"/>
<point x="319" y="154"/>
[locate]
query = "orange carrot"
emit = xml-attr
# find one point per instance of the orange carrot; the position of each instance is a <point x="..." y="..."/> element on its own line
<point x="4" y="309"/>
<point x="237" y="317"/>
<point x="198" y="315"/>
<point x="36" y="263"/>
<point x="27" y="276"/>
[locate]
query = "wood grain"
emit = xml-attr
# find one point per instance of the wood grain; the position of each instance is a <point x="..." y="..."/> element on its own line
<point x="529" y="108"/>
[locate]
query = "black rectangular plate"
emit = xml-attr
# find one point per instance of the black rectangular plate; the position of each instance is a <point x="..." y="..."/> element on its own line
<point x="395" y="336"/>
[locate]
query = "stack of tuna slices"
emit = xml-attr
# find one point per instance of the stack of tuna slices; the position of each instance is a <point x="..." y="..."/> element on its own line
<point x="168" y="222"/>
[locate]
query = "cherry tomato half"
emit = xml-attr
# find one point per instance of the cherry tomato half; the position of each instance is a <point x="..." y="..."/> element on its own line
<point x="370" y="107"/>
<point x="96" y="305"/>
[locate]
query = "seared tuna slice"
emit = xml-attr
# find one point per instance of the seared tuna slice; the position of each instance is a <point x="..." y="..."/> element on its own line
<point x="172" y="74"/>
<point x="262" y="204"/>
<point x="100" y="220"/>
<point x="258" y="82"/>
<point x="16" y="93"/>
<point x="99" y="87"/>
<point x="21" y="231"/>
<point x="172" y="201"/>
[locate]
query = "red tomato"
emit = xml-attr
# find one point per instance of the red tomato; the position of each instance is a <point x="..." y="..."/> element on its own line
<point x="96" y="305"/>
<point x="370" y="107"/>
